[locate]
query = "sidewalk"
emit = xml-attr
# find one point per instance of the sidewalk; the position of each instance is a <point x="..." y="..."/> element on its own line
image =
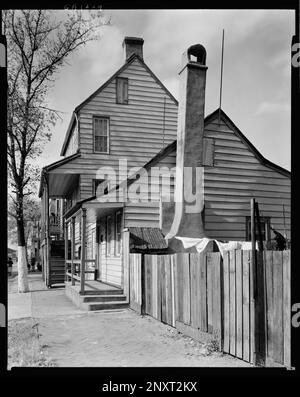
<point x="39" y="301"/>
<point x="72" y="337"/>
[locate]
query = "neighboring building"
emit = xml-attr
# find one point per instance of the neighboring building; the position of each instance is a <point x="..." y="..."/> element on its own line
<point x="134" y="117"/>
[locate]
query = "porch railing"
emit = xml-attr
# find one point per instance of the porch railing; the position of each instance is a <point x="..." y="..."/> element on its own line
<point x="73" y="271"/>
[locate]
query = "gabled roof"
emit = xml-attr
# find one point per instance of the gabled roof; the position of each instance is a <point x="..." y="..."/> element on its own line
<point x="172" y="146"/>
<point x="209" y="118"/>
<point x="126" y="64"/>
<point x="245" y="140"/>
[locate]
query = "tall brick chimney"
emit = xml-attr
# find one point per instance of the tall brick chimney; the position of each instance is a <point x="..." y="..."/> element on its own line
<point x="187" y="221"/>
<point x="133" y="45"/>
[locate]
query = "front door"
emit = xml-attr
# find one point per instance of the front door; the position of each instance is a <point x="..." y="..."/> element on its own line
<point x="102" y="263"/>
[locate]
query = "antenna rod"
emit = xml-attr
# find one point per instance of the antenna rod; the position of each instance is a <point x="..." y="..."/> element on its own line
<point x="221" y="80"/>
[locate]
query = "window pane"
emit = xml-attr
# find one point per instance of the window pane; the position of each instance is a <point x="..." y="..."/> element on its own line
<point x="101" y="127"/>
<point x="101" y="143"/>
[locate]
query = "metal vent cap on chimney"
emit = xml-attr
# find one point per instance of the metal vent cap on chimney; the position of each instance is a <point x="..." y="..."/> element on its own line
<point x="133" y="45"/>
<point x="199" y="52"/>
<point x="196" y="51"/>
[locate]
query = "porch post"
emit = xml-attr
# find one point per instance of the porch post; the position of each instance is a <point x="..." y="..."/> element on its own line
<point x="82" y="264"/>
<point x="72" y="249"/>
<point x="126" y="263"/>
<point x="66" y="248"/>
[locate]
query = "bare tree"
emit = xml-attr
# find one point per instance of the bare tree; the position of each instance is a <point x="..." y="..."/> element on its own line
<point x="39" y="43"/>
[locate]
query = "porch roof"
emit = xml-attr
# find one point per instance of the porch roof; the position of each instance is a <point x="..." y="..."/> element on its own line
<point x="59" y="183"/>
<point x="95" y="209"/>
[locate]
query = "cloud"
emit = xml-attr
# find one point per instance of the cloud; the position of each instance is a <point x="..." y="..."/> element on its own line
<point x="272" y="107"/>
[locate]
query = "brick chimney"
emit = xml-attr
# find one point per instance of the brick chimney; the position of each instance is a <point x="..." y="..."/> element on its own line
<point x="187" y="220"/>
<point x="133" y="45"/>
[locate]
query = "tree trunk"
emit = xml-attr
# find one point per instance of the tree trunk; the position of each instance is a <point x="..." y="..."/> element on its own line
<point x="22" y="262"/>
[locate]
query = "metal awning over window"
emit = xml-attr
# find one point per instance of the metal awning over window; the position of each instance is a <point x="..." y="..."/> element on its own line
<point x="147" y="238"/>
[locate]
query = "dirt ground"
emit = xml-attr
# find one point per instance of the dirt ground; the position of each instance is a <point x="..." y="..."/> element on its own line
<point x="123" y="339"/>
<point x="71" y="337"/>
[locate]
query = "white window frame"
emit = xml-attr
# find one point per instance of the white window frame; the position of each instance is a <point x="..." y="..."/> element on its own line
<point x="108" y="133"/>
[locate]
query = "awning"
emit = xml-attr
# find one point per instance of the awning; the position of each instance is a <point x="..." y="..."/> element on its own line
<point x="147" y="238"/>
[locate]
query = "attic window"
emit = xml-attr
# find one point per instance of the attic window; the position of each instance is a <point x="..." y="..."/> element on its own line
<point x="122" y="90"/>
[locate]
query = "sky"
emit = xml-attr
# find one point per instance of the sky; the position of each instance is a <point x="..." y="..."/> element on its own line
<point x="256" y="75"/>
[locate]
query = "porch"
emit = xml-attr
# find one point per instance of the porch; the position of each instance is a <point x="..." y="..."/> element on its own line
<point x="84" y="283"/>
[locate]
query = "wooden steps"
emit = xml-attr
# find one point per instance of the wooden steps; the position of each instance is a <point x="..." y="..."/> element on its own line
<point x="98" y="296"/>
<point x="104" y="305"/>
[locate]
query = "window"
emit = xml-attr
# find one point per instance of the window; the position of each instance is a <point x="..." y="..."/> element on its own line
<point x="265" y="228"/>
<point x="118" y="232"/>
<point x="101" y="134"/>
<point x="122" y="91"/>
<point x="96" y="183"/>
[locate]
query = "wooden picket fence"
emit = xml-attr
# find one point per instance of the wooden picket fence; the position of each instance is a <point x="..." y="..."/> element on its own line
<point x="210" y="298"/>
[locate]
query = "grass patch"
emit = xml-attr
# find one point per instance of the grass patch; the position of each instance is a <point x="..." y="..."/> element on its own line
<point x="24" y="347"/>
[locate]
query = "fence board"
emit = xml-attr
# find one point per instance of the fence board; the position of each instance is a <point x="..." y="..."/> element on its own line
<point x="246" y="306"/>
<point x="278" y="318"/>
<point x="209" y="287"/>
<point x="286" y="309"/>
<point x="173" y="269"/>
<point x="226" y="304"/>
<point x="194" y="259"/>
<point x="252" y="310"/>
<point x="203" y="294"/>
<point x="163" y="289"/>
<point x="186" y="291"/>
<point x="232" y="301"/>
<point x="260" y="310"/>
<point x="154" y="289"/>
<point x="159" y="297"/>
<point x="179" y="265"/>
<point x="169" y="290"/>
<point x="270" y="306"/>
<point x="239" y="304"/>
<point x="217" y="298"/>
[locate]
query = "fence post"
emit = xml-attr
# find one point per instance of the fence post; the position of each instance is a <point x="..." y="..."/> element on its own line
<point x="254" y="335"/>
<point x="143" y="300"/>
<point x="261" y="314"/>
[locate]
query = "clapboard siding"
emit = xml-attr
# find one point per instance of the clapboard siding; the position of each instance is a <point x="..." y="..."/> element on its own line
<point x="140" y="121"/>
<point x="237" y="176"/>
<point x="148" y="214"/>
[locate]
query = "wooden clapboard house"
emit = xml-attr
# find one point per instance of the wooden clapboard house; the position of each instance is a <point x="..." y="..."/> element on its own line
<point x="133" y="117"/>
<point x="129" y="117"/>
